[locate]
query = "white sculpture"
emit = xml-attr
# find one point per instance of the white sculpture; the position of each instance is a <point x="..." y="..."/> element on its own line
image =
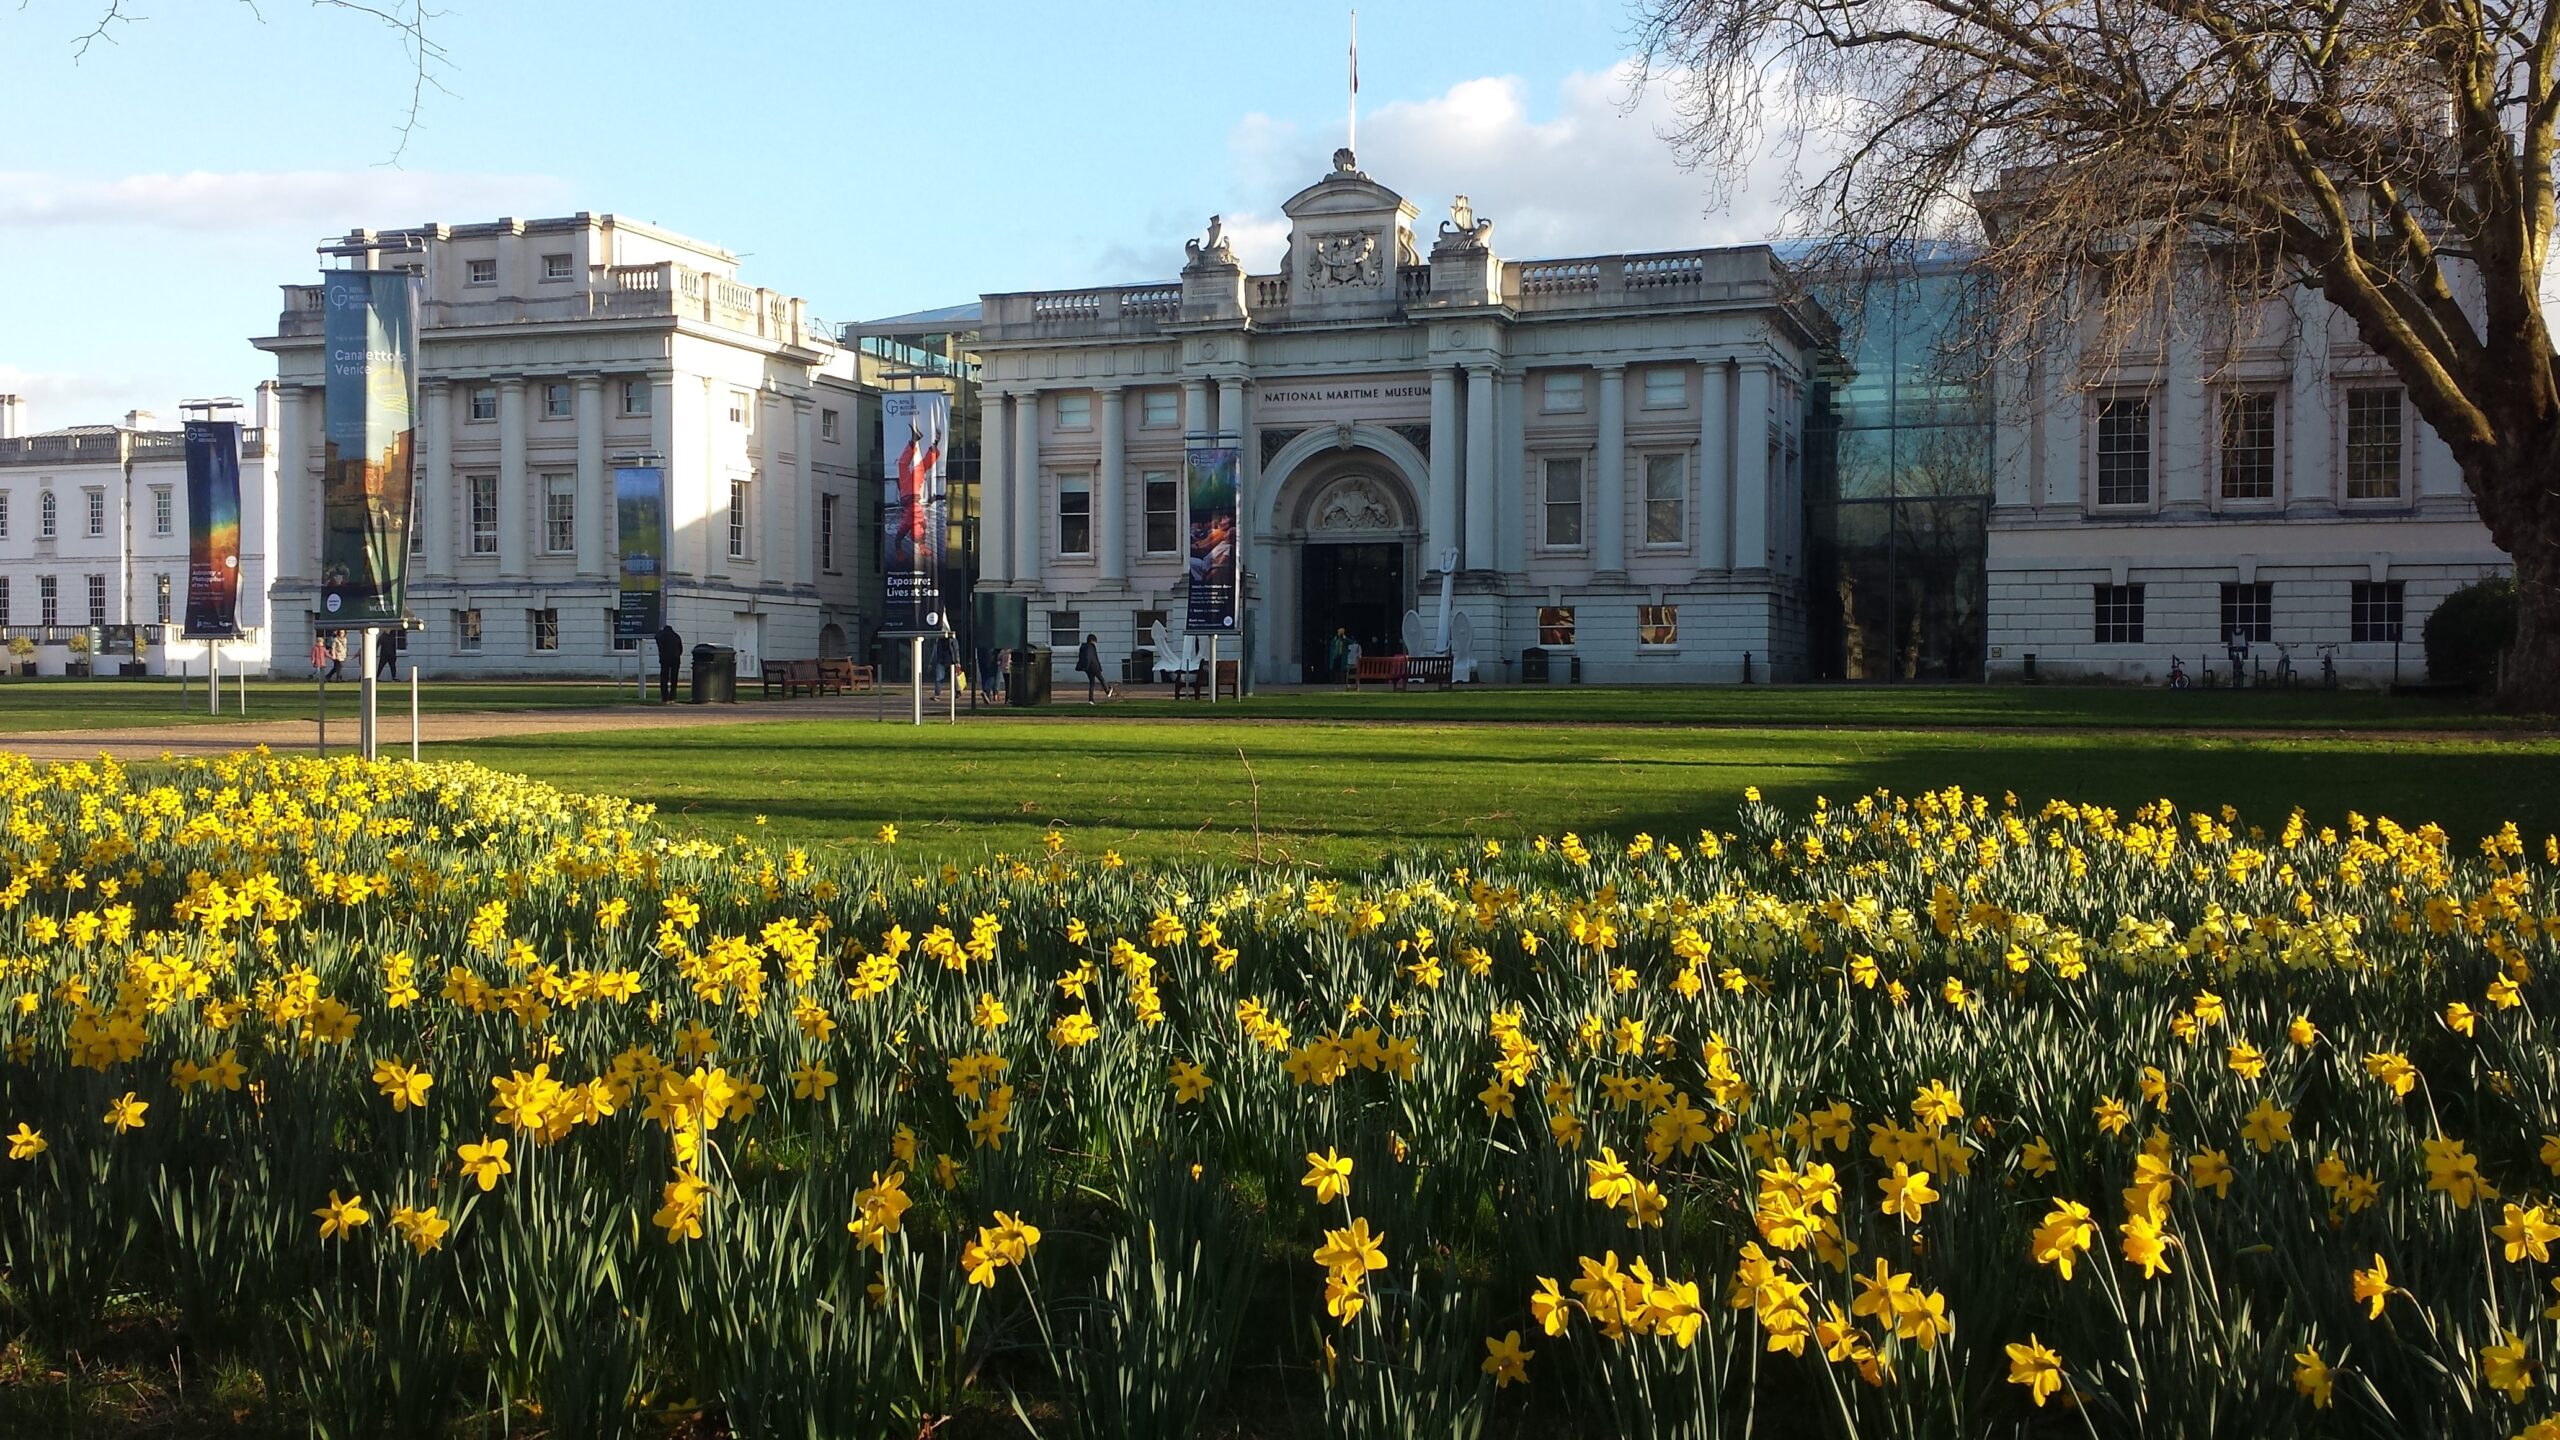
<point x="1174" y="656"/>
<point x="1453" y="635"/>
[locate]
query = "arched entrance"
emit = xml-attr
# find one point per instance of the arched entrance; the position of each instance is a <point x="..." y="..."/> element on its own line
<point x="1344" y="531"/>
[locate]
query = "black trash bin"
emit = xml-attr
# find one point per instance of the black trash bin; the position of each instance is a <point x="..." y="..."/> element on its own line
<point x="715" y="674"/>
<point x="1028" y="682"/>
<point x="1533" y="666"/>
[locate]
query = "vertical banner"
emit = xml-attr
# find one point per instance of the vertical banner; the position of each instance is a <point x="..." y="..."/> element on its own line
<point x="640" y="522"/>
<point x="213" y="530"/>
<point x="1209" y="474"/>
<point x="915" y="511"/>
<point x="369" y="334"/>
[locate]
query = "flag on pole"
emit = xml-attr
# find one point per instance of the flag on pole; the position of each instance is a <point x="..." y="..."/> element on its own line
<point x="1353" y="138"/>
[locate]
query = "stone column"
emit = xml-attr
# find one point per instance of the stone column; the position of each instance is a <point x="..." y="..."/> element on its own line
<point x="1110" y="490"/>
<point x="1440" y="508"/>
<point x="773" y="493"/>
<point x="1751" y="468"/>
<point x="515" y="511"/>
<point x="715" y="485"/>
<point x="1511" y="473"/>
<point x="1715" y="467"/>
<point x="295" y="407"/>
<point x="1608" y="507"/>
<point x="1199" y="426"/>
<point x="800" y="536"/>
<point x="1480" y="459"/>
<point x="662" y="447"/>
<point x="995" y="488"/>
<point x="595" y="492"/>
<point x="1027" y="494"/>
<point x="435" y="477"/>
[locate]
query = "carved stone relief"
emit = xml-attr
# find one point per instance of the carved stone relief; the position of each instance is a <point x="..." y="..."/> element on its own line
<point x="1353" y="505"/>
<point x="1344" y="260"/>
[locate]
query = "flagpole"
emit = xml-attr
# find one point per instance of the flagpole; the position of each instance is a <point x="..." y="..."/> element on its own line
<point x="1352" y="141"/>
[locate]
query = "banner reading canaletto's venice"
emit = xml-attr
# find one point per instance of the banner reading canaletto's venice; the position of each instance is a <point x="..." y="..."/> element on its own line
<point x="1209" y="473"/>
<point x="915" y="511"/>
<point x="640" y="519"/>
<point x="369" y="335"/>
<point x="213" y="529"/>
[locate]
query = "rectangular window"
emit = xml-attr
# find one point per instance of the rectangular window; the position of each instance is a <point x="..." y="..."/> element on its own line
<point x="738" y="499"/>
<point x="555" y="400"/>
<point x="635" y="397"/>
<point x="160" y="598"/>
<point x="2374" y="433"/>
<point x="2119" y="614"/>
<point x="742" y="409"/>
<point x="1075" y="516"/>
<point x="97" y="599"/>
<point x="4" y="514"/>
<point x="2249" y="445"/>
<point x="48" y="601"/>
<point x="466" y="631"/>
<point x="2124" y="451"/>
<point x="4" y="599"/>
<point x="1666" y="387"/>
<point x="1657" y="625"/>
<point x="545" y="625"/>
<point x="1159" y="409"/>
<point x="826" y="424"/>
<point x="1560" y="391"/>
<point x="484" y="403"/>
<point x="1555" y="624"/>
<point x="417" y="518"/>
<point x="555" y="268"/>
<point x="827" y="533"/>
<point x="559" y="514"/>
<point x="480" y="272"/>
<point x="47" y="515"/>
<point x="2249" y="609"/>
<point x="484" y="514"/>
<point x="1075" y="412"/>
<point x="164" y="510"/>
<point x="2373" y="611"/>
<point x="97" y="512"/>
<point x="1666" y="499"/>
<point x="1066" y="631"/>
<point x="1164" y="513"/>
<point x="1564" y="503"/>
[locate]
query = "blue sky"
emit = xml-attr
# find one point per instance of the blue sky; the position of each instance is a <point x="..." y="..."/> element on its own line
<point x="872" y="158"/>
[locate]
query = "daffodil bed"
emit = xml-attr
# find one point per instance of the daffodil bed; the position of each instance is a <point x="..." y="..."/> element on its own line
<point x="451" y="1103"/>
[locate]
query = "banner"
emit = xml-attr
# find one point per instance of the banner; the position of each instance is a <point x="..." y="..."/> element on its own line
<point x="915" y="511"/>
<point x="369" y="334"/>
<point x="640" y="520"/>
<point x="213" y="530"/>
<point x="1209" y="473"/>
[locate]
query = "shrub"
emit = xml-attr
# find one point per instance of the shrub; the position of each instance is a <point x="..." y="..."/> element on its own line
<point x="2470" y="630"/>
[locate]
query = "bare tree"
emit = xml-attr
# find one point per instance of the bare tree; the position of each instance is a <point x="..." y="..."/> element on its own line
<point x="2114" y="158"/>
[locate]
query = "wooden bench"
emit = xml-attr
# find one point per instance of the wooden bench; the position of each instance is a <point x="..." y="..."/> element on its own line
<point x="817" y="677"/>
<point x="847" y="677"/>
<point x="1195" y="683"/>
<point x="777" y="673"/>
<point x="1433" y="670"/>
<point x="1378" y="670"/>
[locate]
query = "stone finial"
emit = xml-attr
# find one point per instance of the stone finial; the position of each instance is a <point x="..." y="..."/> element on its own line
<point x="1214" y="249"/>
<point x="1344" y="163"/>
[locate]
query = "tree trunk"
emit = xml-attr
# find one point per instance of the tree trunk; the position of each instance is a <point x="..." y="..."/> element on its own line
<point x="2529" y="678"/>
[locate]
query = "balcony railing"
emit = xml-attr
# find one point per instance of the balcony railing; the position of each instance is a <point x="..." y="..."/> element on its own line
<point x="1604" y="282"/>
<point x="1111" y="310"/>
<point x="662" y="290"/>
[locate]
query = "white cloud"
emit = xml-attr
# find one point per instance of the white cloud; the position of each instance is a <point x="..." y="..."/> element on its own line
<point x="303" y="202"/>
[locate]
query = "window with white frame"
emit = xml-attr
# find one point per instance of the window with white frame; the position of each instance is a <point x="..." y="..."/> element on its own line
<point x="164" y="510"/>
<point x="48" y="601"/>
<point x="1555" y="625"/>
<point x="545" y="625"/>
<point x="742" y="409"/>
<point x="160" y="598"/>
<point x="97" y="599"/>
<point x="4" y="514"/>
<point x="555" y="400"/>
<point x="1666" y="500"/>
<point x="826" y="424"/>
<point x="2374" y="610"/>
<point x="466" y="632"/>
<point x="555" y="268"/>
<point x="635" y="397"/>
<point x="480" y="272"/>
<point x="484" y="403"/>
<point x="1075" y="515"/>
<point x="827" y="533"/>
<point x="2248" y="445"/>
<point x="1560" y="391"/>
<point x="1066" y="631"/>
<point x="2118" y="614"/>
<point x="2375" y="436"/>
<point x="559" y="514"/>
<point x="741" y="494"/>
<point x="97" y="508"/>
<point x="1164" y="513"/>
<point x="48" y="515"/>
<point x="1562" y="496"/>
<point x="417" y="518"/>
<point x="1657" y="627"/>
<point x="4" y="599"/>
<point x="2124" y="451"/>
<point x="1666" y="387"/>
<point x="2248" y="608"/>
<point x="1159" y="409"/>
<point x="484" y="514"/>
<point x="1075" y="411"/>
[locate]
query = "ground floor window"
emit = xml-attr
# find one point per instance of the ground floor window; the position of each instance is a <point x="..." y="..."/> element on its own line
<point x="160" y="597"/>
<point x="2374" y="611"/>
<point x="1555" y="624"/>
<point x="466" y="632"/>
<point x="1657" y="625"/>
<point x="546" y="628"/>
<point x="1066" y="629"/>
<point x="2249" y="609"/>
<point x="2119" y="614"/>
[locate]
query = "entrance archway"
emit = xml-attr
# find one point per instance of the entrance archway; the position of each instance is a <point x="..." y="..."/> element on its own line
<point x="1344" y="530"/>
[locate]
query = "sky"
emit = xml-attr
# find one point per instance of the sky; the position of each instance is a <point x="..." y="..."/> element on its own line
<point x="874" y="159"/>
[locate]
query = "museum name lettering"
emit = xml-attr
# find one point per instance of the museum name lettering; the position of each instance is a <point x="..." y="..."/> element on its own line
<point x="1340" y="393"/>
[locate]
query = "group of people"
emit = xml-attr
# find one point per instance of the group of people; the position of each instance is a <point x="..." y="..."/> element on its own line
<point x="329" y="654"/>
<point x="996" y="664"/>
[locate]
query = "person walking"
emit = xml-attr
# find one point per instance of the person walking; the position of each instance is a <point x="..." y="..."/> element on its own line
<point x="670" y="655"/>
<point x="1335" y="652"/>
<point x="337" y="652"/>
<point x="387" y="654"/>
<point x="1089" y="663"/>
<point x="941" y="663"/>
<point x="319" y="654"/>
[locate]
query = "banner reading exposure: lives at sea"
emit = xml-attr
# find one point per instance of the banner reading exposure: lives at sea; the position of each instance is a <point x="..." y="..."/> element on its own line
<point x="640" y="519"/>
<point x="213" y="529"/>
<point x="916" y="510"/>
<point x="369" y="337"/>
<point x="1209" y="475"/>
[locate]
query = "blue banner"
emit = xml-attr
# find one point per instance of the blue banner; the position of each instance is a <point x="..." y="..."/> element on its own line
<point x="1211" y="562"/>
<point x="640" y="520"/>
<point x="369" y="338"/>
<point x="213" y="530"/>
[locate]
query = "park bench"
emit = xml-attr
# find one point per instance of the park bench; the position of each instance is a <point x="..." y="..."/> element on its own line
<point x="1378" y="670"/>
<point x="794" y="676"/>
<point x="1433" y="670"/>
<point x="847" y="677"/>
<point x="1194" y="682"/>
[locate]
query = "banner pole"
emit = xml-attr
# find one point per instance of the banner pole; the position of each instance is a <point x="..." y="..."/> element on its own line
<point x="213" y="680"/>
<point x="367" y="740"/>
<point x="1213" y="667"/>
<point x="323" y="682"/>
<point x="915" y="671"/>
<point x="413" y="714"/>
<point x="959" y="675"/>
<point x="243" y="672"/>
<point x="182" y="687"/>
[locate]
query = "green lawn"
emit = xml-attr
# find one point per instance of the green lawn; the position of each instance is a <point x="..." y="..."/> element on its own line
<point x="1342" y="795"/>
<point x="29" y="707"/>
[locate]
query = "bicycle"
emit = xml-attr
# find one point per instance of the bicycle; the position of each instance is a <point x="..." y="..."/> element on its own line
<point x="2177" y="673"/>
<point x="2329" y="666"/>
<point x="2284" y="665"/>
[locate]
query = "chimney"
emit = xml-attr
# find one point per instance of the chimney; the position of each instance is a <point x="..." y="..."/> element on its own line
<point x="12" y="417"/>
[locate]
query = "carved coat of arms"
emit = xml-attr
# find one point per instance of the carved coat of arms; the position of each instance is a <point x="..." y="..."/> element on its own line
<point x="1349" y="259"/>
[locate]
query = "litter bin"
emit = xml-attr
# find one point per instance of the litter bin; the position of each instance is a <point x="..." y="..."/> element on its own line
<point x="1533" y="666"/>
<point x="1028" y="683"/>
<point x="715" y="674"/>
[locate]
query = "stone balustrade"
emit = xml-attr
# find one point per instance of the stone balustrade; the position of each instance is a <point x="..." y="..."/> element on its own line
<point x="616" y="292"/>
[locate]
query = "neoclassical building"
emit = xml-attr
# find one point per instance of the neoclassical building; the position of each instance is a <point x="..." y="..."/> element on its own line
<point x="1605" y="454"/>
<point x="552" y="351"/>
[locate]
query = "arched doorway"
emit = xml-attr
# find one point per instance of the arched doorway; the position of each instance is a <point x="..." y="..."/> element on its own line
<point x="831" y="641"/>
<point x="1343" y="531"/>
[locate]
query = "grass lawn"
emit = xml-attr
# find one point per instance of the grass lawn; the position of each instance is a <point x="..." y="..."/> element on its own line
<point x="1341" y="795"/>
<point x="30" y="707"/>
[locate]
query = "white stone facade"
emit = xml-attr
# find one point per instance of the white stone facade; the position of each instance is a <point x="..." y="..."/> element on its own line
<point x="1608" y="445"/>
<point x="552" y="351"/>
<point x="2281" y="482"/>
<point x="94" y="533"/>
